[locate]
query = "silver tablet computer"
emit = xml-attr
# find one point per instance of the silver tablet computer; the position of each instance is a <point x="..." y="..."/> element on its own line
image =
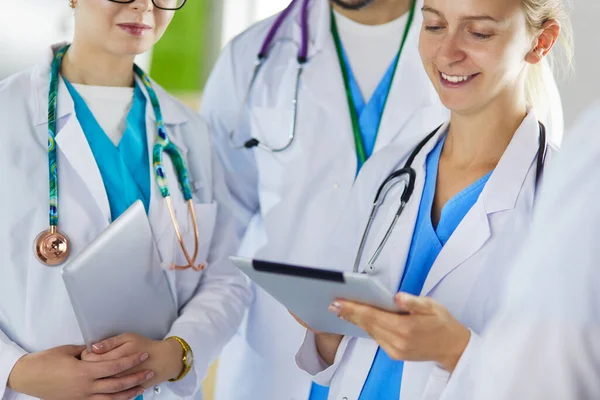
<point x="308" y="292"/>
<point x="116" y="284"/>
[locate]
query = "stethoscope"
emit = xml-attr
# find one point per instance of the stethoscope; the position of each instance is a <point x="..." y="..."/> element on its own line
<point x="301" y="59"/>
<point x="51" y="247"/>
<point x="408" y="175"/>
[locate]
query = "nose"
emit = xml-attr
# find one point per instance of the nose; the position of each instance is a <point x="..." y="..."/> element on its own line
<point x="450" y="51"/>
<point x="143" y="6"/>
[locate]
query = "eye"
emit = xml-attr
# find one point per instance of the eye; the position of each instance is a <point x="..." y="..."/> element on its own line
<point x="481" y="36"/>
<point x="433" y="28"/>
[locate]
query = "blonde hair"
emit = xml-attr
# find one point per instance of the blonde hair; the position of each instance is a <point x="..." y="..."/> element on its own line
<point x="537" y="13"/>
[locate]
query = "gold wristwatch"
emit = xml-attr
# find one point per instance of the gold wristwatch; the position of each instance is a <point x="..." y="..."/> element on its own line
<point x="188" y="358"/>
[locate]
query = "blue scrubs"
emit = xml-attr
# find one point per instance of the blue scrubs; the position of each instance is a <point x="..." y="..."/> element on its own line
<point x="385" y="377"/>
<point x="125" y="169"/>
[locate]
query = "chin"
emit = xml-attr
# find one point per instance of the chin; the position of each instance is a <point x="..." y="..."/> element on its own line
<point x="131" y="47"/>
<point x="460" y="105"/>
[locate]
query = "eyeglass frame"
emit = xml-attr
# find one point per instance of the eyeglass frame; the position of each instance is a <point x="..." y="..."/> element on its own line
<point x="153" y="2"/>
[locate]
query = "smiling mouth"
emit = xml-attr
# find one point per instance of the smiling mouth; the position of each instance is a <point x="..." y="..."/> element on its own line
<point x="455" y="81"/>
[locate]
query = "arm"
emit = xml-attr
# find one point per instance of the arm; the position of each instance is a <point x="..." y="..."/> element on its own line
<point x="321" y="368"/>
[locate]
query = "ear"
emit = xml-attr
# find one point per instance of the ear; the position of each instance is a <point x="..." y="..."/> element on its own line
<point x="544" y="41"/>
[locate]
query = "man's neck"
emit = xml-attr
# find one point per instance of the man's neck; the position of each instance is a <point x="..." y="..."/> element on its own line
<point x="378" y="12"/>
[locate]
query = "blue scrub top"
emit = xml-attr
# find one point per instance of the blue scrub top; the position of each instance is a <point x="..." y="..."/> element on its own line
<point x="125" y="169"/>
<point x="385" y="376"/>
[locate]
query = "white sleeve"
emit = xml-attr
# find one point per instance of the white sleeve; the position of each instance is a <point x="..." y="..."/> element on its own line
<point x="461" y="378"/>
<point x="10" y="353"/>
<point x="212" y="316"/>
<point x="545" y="342"/>
<point x="309" y="360"/>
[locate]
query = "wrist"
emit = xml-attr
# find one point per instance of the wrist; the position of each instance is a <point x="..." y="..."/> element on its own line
<point x="17" y="379"/>
<point x="327" y="345"/>
<point x="186" y="357"/>
<point x="450" y="360"/>
<point x="176" y="358"/>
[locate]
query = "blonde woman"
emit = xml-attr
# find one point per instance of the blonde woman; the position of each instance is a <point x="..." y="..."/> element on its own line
<point x="475" y="180"/>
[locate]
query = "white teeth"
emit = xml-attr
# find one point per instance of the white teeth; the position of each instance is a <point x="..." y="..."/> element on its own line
<point x="455" y="79"/>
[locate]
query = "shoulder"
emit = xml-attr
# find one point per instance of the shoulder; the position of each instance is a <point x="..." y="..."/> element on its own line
<point x="16" y="89"/>
<point x="239" y="54"/>
<point x="176" y="111"/>
<point x="248" y="42"/>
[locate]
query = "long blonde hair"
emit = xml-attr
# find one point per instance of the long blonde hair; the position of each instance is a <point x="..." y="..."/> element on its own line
<point x="538" y="12"/>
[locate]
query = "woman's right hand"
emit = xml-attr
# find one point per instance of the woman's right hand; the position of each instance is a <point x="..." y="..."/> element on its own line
<point x="59" y="374"/>
<point x="327" y="343"/>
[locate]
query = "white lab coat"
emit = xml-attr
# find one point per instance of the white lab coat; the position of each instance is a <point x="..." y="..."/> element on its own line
<point x="35" y="311"/>
<point x="465" y="277"/>
<point x="545" y="343"/>
<point x="292" y="200"/>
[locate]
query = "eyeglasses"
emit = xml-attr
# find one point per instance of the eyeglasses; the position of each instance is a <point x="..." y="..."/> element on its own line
<point x="169" y="5"/>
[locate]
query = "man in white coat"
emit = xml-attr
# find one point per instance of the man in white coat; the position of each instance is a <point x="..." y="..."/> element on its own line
<point x="545" y="344"/>
<point x="291" y="200"/>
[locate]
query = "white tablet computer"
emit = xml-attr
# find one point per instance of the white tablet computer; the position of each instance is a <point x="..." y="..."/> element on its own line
<point x="116" y="284"/>
<point x="308" y="292"/>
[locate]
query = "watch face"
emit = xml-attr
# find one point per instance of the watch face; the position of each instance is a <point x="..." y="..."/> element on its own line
<point x="189" y="359"/>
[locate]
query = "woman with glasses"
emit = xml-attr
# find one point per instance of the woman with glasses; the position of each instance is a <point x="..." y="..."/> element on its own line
<point x="89" y="118"/>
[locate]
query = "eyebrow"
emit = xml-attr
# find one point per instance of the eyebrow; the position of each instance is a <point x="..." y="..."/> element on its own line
<point x="467" y="18"/>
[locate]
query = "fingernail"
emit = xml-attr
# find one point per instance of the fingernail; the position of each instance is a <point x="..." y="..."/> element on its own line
<point x="335" y="307"/>
<point x="139" y="393"/>
<point x="98" y="346"/>
<point x="144" y="357"/>
<point x="149" y="375"/>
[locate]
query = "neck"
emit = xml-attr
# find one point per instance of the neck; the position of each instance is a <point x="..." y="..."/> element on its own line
<point x="87" y="66"/>
<point x="377" y="13"/>
<point x="480" y="139"/>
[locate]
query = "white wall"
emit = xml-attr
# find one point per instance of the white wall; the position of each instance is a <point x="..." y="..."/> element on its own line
<point x="27" y="28"/>
<point x="584" y="87"/>
<point x="240" y="14"/>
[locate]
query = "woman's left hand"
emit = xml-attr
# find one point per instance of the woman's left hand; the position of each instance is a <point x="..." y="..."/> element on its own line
<point x="427" y="333"/>
<point x="165" y="357"/>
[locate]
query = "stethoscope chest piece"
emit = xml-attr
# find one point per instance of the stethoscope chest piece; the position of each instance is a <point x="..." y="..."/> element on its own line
<point x="51" y="247"/>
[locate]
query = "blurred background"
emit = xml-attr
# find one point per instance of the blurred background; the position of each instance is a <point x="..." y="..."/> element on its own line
<point x="182" y="60"/>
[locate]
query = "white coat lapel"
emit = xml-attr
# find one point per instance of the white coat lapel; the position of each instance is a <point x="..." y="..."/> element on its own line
<point x="70" y="139"/>
<point x="470" y="235"/>
<point x="73" y="144"/>
<point x="500" y="194"/>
